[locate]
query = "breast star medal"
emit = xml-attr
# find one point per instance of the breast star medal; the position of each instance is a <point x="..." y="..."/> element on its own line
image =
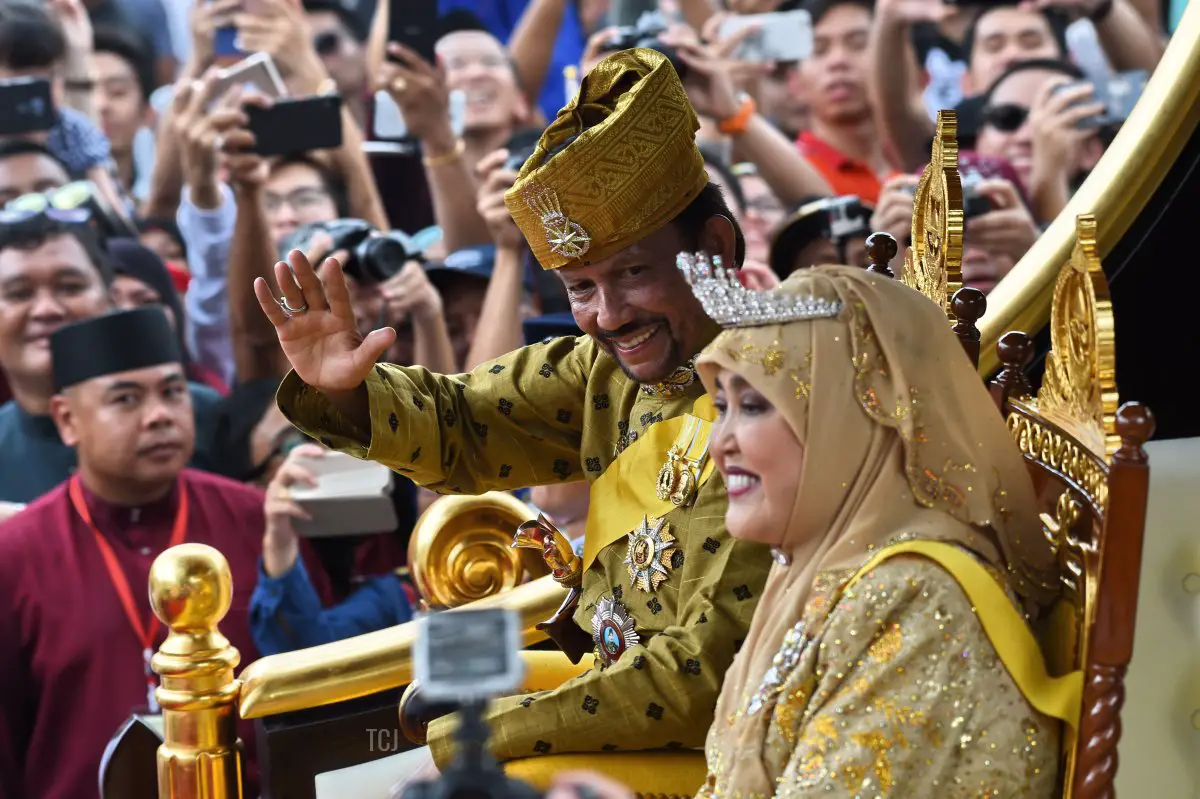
<point x="612" y="630"/>
<point x="649" y="557"/>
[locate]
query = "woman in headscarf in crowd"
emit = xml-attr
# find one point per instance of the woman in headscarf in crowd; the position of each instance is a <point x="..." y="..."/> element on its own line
<point x="143" y="279"/>
<point x="862" y="446"/>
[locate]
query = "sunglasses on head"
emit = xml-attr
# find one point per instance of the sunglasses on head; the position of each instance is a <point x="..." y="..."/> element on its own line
<point x="70" y="216"/>
<point x="1007" y="117"/>
<point x="72" y="196"/>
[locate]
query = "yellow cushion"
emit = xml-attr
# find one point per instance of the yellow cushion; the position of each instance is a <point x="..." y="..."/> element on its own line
<point x="654" y="773"/>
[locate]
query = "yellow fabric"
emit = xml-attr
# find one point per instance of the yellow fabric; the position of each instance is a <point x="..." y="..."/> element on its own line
<point x="625" y="493"/>
<point x="633" y="168"/>
<point x="671" y="774"/>
<point x="898" y="437"/>
<point x="1057" y="697"/>
<point x="545" y="671"/>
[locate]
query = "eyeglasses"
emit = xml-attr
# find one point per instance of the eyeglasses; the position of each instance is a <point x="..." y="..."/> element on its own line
<point x="70" y="216"/>
<point x="1006" y="117"/>
<point x="301" y="199"/>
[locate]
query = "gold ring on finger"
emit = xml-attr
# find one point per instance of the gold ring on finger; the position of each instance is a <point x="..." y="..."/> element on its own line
<point x="399" y="85"/>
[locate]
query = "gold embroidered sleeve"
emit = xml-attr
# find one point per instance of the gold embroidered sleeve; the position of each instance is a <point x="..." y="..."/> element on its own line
<point x="908" y="698"/>
<point x="511" y="423"/>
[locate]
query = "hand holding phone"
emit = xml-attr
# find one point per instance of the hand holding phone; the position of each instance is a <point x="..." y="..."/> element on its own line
<point x="27" y="106"/>
<point x="414" y="24"/>
<point x="256" y="72"/>
<point x="295" y="126"/>
<point x="778" y="36"/>
<point x="1117" y="95"/>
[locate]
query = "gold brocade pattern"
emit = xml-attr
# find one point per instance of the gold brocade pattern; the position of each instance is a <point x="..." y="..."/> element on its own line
<point x="550" y="413"/>
<point x="633" y="167"/>
<point x="902" y="694"/>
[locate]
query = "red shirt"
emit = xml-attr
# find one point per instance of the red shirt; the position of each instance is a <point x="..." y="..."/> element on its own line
<point x="844" y="174"/>
<point x="71" y="666"/>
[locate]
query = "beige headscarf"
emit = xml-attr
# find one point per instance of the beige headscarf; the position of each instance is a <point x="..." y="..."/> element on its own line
<point x="900" y="439"/>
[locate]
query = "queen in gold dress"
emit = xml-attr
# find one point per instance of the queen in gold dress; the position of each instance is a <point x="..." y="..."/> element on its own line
<point x="863" y="447"/>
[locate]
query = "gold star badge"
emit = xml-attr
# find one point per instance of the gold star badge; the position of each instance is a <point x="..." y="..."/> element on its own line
<point x="649" y="558"/>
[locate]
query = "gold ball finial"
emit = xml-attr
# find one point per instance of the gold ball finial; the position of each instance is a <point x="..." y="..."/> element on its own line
<point x="190" y="587"/>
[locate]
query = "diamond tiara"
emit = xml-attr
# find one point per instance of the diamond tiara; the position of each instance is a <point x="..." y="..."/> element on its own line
<point x="730" y="304"/>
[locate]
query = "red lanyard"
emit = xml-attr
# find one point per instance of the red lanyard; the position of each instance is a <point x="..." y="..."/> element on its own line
<point x="146" y="632"/>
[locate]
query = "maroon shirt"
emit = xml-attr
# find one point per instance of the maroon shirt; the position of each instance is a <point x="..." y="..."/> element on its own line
<point x="71" y="666"/>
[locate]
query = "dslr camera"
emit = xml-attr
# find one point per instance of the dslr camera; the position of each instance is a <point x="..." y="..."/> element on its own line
<point x="463" y="659"/>
<point x="646" y="33"/>
<point x="373" y="256"/>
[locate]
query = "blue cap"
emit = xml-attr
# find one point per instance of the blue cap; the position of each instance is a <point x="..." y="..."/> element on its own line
<point x="474" y="261"/>
<point x="540" y="328"/>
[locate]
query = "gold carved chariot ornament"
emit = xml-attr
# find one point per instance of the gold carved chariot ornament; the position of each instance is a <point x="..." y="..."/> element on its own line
<point x="933" y="264"/>
<point x="1070" y="427"/>
<point x="1079" y="390"/>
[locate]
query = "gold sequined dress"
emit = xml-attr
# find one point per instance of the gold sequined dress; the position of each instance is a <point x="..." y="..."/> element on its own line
<point x="901" y="695"/>
<point x="555" y="412"/>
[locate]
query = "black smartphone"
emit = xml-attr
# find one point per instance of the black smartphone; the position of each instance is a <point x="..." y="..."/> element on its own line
<point x="296" y="126"/>
<point x="28" y="107"/>
<point x="414" y="24"/>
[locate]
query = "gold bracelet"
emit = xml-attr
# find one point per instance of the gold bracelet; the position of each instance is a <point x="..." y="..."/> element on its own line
<point x="446" y="158"/>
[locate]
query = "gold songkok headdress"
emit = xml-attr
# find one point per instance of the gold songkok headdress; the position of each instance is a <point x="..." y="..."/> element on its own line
<point x="633" y="167"/>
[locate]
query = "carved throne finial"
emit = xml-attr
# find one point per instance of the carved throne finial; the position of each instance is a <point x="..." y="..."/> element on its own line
<point x="1079" y="390"/>
<point x="933" y="264"/>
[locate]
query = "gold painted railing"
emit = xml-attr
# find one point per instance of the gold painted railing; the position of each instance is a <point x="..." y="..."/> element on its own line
<point x="1115" y="193"/>
<point x="367" y="663"/>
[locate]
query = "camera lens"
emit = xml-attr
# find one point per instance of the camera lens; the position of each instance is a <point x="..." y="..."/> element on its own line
<point x="381" y="257"/>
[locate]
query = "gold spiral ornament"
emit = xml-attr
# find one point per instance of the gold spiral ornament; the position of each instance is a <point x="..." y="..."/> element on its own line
<point x="933" y="264"/>
<point x="461" y="549"/>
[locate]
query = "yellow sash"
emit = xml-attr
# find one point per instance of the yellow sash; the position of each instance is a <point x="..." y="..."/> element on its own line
<point x="1058" y="697"/>
<point x="626" y="491"/>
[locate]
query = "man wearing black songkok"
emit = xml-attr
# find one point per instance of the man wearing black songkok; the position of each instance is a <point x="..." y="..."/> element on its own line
<point x="51" y="274"/>
<point x="73" y="657"/>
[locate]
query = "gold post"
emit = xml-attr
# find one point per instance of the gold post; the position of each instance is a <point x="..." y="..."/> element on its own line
<point x="190" y="591"/>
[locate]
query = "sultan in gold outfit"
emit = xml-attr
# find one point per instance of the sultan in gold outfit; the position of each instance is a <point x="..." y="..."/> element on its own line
<point x="667" y="596"/>
<point x="867" y="671"/>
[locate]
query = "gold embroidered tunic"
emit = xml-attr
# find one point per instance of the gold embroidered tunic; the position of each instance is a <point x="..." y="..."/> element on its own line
<point x="902" y="695"/>
<point x="562" y="411"/>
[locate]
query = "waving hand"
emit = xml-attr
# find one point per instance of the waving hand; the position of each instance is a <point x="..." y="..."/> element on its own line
<point x="315" y="325"/>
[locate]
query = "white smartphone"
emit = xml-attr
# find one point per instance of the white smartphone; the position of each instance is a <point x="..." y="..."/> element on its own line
<point x="389" y="119"/>
<point x="781" y="36"/>
<point x="257" y="72"/>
